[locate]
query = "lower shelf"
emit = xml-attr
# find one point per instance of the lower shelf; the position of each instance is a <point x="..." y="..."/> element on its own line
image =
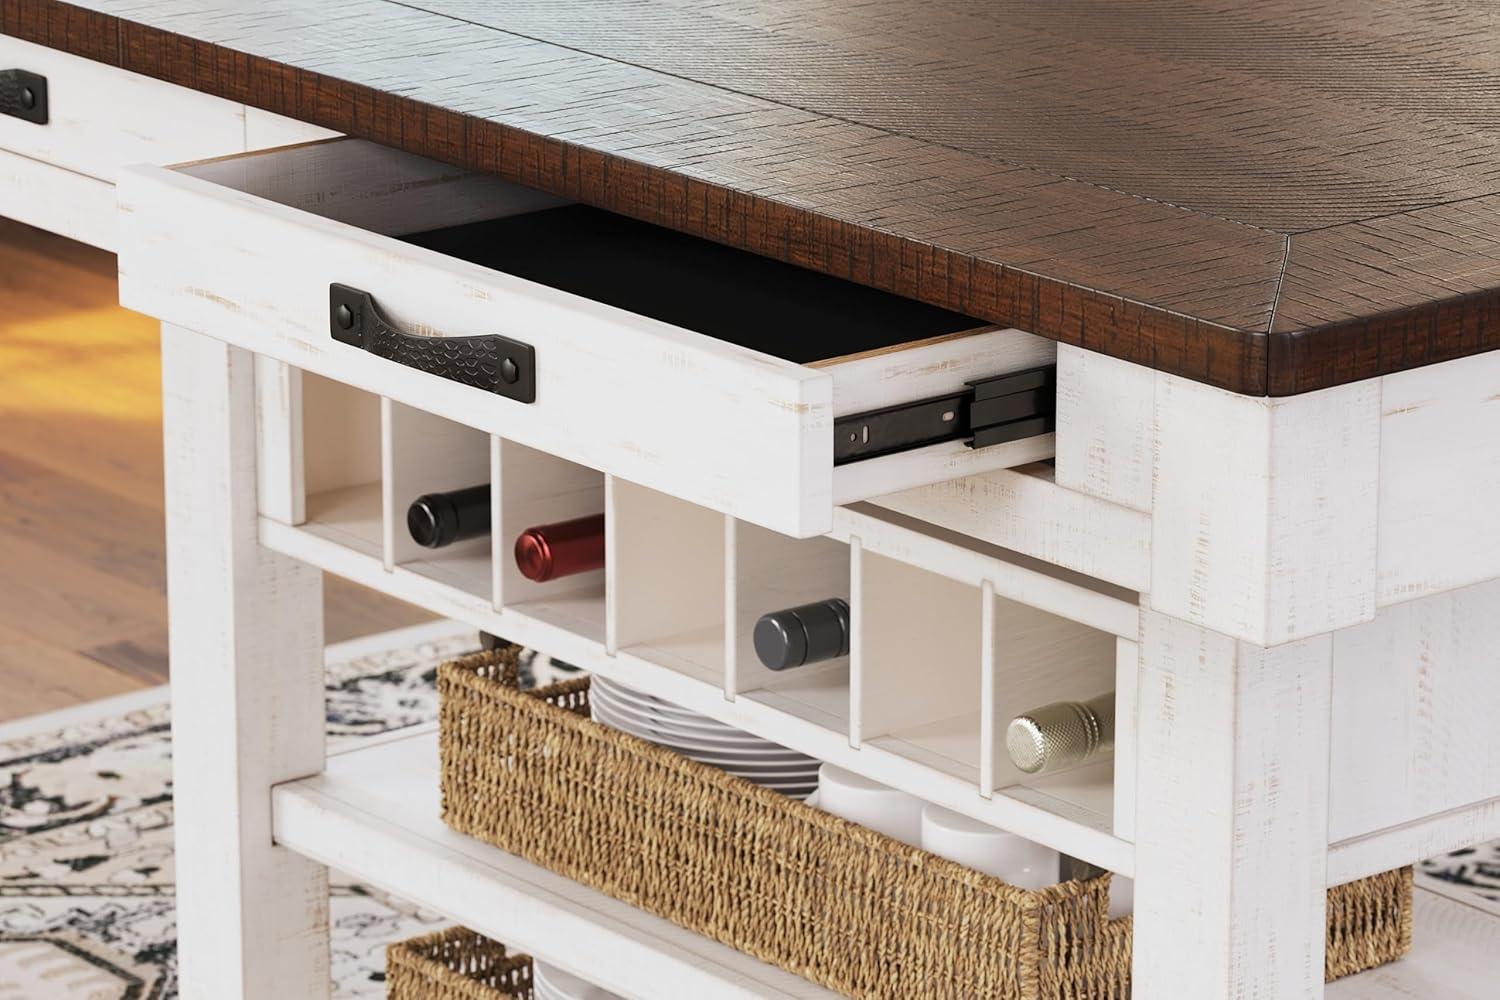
<point x="1452" y="957"/>
<point x="374" y="815"/>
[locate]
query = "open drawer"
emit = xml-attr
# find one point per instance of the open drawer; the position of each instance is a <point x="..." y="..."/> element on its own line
<point x="705" y="373"/>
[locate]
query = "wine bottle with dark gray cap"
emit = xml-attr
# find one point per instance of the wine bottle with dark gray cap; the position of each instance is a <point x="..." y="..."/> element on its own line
<point x="809" y="633"/>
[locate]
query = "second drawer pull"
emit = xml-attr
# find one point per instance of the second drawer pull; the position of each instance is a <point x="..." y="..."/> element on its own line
<point x="490" y="362"/>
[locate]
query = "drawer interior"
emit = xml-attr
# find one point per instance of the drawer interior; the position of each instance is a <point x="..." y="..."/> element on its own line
<point x="731" y="295"/>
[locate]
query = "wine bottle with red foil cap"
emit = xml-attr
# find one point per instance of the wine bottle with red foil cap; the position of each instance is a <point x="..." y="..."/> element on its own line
<point x="550" y="551"/>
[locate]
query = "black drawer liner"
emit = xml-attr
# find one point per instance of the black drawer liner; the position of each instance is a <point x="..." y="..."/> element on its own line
<point x="727" y="294"/>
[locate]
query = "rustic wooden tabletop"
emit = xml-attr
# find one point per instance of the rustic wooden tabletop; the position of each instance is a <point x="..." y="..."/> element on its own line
<point x="1272" y="197"/>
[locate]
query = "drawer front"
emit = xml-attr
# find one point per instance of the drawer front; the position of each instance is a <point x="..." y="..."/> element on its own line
<point x="100" y="118"/>
<point x="247" y="249"/>
<point x="57" y="200"/>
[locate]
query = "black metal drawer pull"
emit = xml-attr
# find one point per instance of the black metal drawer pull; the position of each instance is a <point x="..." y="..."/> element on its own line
<point x="990" y="411"/>
<point x="23" y="95"/>
<point x="491" y="362"/>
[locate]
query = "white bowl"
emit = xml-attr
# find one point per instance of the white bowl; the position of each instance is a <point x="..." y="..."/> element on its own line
<point x="1015" y="860"/>
<point x="871" y="804"/>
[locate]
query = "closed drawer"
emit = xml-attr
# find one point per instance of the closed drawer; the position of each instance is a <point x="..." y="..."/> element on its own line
<point x="57" y="200"/>
<point x="100" y="118"/>
<point x="717" y="388"/>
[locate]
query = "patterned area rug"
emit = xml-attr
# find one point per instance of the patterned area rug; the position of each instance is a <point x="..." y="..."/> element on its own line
<point x="86" y="876"/>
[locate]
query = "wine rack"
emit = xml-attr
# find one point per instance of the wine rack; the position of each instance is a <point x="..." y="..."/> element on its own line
<point x="950" y="636"/>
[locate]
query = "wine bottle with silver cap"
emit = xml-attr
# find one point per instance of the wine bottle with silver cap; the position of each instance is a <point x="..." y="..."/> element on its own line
<point x="1061" y="735"/>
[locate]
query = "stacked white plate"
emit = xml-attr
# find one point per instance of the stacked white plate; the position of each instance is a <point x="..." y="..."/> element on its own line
<point x="551" y="983"/>
<point x="768" y="764"/>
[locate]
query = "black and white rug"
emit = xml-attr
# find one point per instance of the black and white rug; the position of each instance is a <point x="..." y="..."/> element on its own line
<point x="86" y="878"/>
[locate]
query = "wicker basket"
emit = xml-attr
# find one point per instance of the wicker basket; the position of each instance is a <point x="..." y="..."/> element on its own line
<point x="455" y="964"/>
<point x="841" y="905"/>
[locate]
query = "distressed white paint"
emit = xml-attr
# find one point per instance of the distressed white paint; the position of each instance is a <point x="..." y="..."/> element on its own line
<point x="247" y="695"/>
<point x="101" y="118"/>
<point x="970" y="561"/>
<point x="1105" y="413"/>
<point x="943" y="365"/>
<point x="265" y="130"/>
<point x="1410" y="843"/>
<point x="1264" y="509"/>
<point x="725" y="427"/>
<point x="991" y="728"/>
<point x="722" y="426"/>
<point x="279" y="434"/>
<point x="60" y="201"/>
<point x="1024" y="510"/>
<point x="1416" y="699"/>
<point x="1231" y="815"/>
<point x="933" y="464"/>
<point x="1127" y="721"/>
<point x="1439" y="478"/>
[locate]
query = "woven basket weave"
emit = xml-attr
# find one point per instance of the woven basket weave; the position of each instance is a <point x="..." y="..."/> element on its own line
<point x="836" y="903"/>
<point x="455" y="964"/>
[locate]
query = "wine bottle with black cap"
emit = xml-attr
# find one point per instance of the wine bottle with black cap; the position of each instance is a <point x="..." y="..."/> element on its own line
<point x="439" y="519"/>
<point x="809" y="633"/>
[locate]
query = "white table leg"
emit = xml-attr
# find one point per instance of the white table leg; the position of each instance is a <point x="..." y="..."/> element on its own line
<point x="1231" y="815"/>
<point x="247" y="695"/>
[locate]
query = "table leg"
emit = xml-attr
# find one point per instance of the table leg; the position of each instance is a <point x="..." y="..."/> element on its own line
<point x="247" y="695"/>
<point x="1231" y="815"/>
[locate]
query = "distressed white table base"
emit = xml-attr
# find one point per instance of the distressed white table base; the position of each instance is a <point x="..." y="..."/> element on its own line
<point x="1231" y="815"/>
<point x="247" y="695"/>
<point x="1236" y="744"/>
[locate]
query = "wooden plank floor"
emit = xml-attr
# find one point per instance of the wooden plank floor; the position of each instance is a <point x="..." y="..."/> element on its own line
<point x="82" y="575"/>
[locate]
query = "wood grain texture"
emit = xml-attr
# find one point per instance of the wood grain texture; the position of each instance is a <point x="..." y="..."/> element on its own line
<point x="1271" y="198"/>
<point x="83" y="611"/>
